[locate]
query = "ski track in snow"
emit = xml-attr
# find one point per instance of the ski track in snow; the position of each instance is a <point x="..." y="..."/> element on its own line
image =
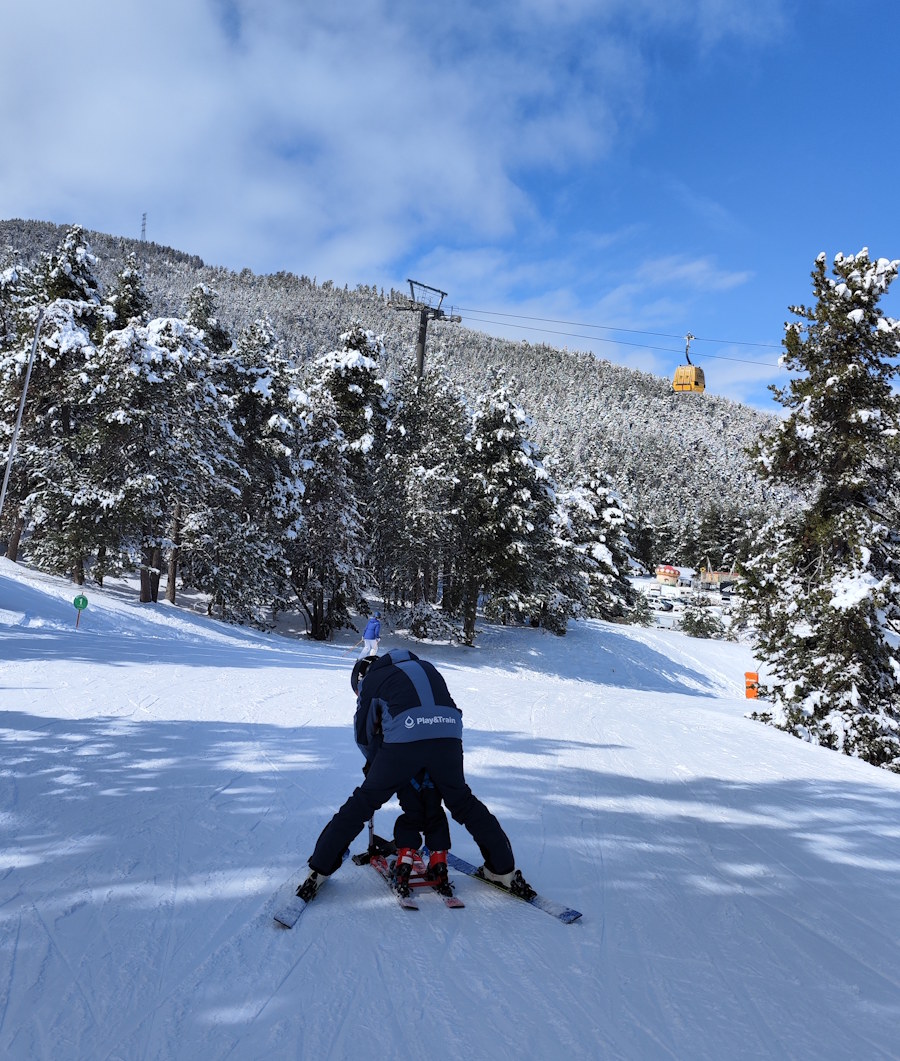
<point x="163" y="780"/>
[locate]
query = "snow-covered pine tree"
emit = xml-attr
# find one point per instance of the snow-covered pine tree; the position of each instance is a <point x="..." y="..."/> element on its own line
<point x="267" y="411"/>
<point x="102" y="498"/>
<point x="352" y="379"/>
<point x="327" y="558"/>
<point x="414" y="476"/>
<point x="202" y="313"/>
<point x="54" y="458"/>
<point x="597" y="529"/>
<point x="16" y="293"/>
<point x="128" y="298"/>
<point x="715" y="537"/>
<point x="699" y="619"/>
<point x="166" y="450"/>
<point x="641" y="613"/>
<point x="114" y="439"/>
<point x="553" y="591"/>
<point x="503" y="542"/>
<point x="823" y="588"/>
<point x="70" y="273"/>
<point x="18" y="314"/>
<point x="684" y="540"/>
<point x="643" y="540"/>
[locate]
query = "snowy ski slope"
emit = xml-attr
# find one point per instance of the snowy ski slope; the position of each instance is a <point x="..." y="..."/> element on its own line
<point x="163" y="779"/>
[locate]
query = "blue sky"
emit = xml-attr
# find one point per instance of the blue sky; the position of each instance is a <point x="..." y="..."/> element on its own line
<point x="598" y="174"/>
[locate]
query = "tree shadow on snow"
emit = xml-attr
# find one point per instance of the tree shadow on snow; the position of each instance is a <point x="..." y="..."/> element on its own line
<point x="149" y="856"/>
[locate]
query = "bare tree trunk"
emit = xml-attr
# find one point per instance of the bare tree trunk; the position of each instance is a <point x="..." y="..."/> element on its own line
<point x="156" y="557"/>
<point x="171" y="575"/>
<point x="172" y="572"/>
<point x="12" y="546"/>
<point x="418" y="587"/>
<point x="78" y="571"/>
<point x="447" y="588"/>
<point x="431" y="582"/>
<point x="146" y="563"/>
<point x="318" y="613"/>
<point x="470" y="608"/>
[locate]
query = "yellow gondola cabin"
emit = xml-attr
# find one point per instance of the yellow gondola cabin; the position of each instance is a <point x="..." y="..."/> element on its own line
<point x="688" y="377"/>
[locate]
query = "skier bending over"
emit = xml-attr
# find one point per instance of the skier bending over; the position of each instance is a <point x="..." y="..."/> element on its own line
<point x="422" y="815"/>
<point x="406" y="722"/>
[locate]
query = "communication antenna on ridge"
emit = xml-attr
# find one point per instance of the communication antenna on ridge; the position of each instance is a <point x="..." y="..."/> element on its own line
<point x="143" y="227"/>
<point x="427" y="302"/>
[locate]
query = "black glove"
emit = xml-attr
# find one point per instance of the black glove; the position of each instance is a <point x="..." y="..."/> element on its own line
<point x="366" y="769"/>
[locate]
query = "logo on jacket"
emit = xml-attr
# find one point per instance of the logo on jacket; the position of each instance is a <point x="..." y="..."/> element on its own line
<point x="409" y="723"/>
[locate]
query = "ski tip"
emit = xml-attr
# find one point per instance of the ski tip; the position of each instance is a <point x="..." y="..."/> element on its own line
<point x="289" y="916"/>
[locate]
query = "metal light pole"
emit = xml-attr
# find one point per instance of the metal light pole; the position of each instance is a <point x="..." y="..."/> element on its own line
<point x="12" y="445"/>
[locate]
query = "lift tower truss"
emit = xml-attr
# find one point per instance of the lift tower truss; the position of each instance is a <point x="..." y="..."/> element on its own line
<point x="426" y="301"/>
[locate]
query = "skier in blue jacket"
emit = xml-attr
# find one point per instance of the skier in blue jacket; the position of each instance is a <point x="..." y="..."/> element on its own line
<point x="371" y="635"/>
<point x="406" y="722"/>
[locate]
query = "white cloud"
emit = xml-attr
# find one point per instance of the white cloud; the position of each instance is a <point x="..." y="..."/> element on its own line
<point x="361" y="139"/>
<point x="694" y="274"/>
<point x="356" y="126"/>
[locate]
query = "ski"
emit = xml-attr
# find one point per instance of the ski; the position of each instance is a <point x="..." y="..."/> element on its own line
<point x="562" y="913"/>
<point x="419" y="880"/>
<point x="288" y="915"/>
<point x="380" y="864"/>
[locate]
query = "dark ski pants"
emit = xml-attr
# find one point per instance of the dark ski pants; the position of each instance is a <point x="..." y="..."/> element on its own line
<point x="389" y="772"/>
<point x="422" y="813"/>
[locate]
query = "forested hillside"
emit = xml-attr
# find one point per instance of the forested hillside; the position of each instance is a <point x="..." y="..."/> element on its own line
<point x="677" y="459"/>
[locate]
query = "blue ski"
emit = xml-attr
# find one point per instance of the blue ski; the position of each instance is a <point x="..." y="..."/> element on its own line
<point x="562" y="913"/>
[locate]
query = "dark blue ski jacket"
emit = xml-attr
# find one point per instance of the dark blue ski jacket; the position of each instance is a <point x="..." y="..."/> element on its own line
<point x="403" y="698"/>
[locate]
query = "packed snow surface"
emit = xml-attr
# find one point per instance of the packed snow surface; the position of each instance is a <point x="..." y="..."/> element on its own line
<point x="163" y="779"/>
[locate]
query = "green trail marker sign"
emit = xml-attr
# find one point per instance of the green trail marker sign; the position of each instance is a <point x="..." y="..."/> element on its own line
<point x="80" y="603"/>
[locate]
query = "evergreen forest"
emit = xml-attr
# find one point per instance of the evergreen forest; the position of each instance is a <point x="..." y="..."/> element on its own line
<point x="679" y="462"/>
<point x="278" y="444"/>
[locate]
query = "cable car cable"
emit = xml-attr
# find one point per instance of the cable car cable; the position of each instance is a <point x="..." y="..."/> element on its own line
<point x="625" y="342"/>
<point x="611" y="328"/>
